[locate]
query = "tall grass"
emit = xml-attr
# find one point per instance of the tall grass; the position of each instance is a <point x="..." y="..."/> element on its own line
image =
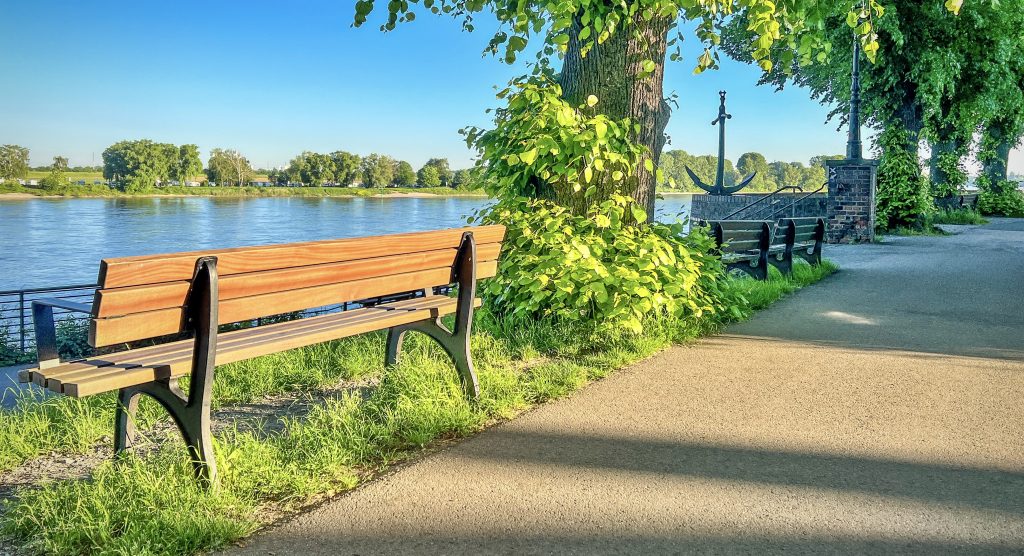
<point x="150" y="505"/>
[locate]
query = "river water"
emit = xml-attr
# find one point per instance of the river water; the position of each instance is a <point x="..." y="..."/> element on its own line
<point x="55" y="242"/>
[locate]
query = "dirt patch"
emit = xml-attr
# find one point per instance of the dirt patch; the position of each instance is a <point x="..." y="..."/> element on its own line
<point x="12" y="196"/>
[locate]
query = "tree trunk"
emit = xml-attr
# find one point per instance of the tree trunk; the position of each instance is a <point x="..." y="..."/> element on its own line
<point x="609" y="72"/>
<point x="995" y="167"/>
<point x="941" y="181"/>
<point x="911" y="116"/>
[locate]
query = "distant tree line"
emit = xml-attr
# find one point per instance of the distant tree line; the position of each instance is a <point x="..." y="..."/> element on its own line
<point x="138" y="165"/>
<point x="346" y="169"/>
<point x="769" y="175"/>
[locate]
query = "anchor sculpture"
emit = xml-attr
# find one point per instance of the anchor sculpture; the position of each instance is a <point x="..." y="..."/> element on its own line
<point x="720" y="188"/>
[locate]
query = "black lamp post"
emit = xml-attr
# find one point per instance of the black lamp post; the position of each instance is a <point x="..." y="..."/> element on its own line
<point x="854" y="149"/>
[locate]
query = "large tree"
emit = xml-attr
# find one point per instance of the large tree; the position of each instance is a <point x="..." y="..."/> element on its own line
<point x="13" y="161"/>
<point x="404" y="174"/>
<point x="347" y="167"/>
<point x="227" y="166"/>
<point x="187" y="164"/>
<point x="143" y="162"/>
<point x="615" y="52"/>
<point x="378" y="170"/>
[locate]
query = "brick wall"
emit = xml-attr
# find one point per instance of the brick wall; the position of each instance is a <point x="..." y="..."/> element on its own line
<point x="851" y="201"/>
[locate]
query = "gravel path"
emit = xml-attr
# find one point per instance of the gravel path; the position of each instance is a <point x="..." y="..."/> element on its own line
<point x="877" y="412"/>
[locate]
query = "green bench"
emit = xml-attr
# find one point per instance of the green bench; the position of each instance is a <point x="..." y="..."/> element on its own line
<point x="750" y="246"/>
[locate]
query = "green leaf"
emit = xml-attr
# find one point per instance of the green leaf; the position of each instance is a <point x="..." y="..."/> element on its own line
<point x="528" y="156"/>
<point x="639" y="214"/>
<point x="591" y="100"/>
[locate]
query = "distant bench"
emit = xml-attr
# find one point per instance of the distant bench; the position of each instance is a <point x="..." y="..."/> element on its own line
<point x="156" y="296"/>
<point x="751" y="245"/>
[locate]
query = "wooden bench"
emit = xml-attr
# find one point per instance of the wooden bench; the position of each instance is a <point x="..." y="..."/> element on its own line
<point x="168" y="296"/>
<point x="802" y="237"/>
<point x="743" y="244"/>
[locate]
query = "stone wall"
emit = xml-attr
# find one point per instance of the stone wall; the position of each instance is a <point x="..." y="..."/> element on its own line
<point x="851" y="200"/>
<point x="716" y="207"/>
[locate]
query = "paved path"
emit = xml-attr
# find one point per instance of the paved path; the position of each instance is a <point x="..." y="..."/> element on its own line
<point x="879" y="412"/>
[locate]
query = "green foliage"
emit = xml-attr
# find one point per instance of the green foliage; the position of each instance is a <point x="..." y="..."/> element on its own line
<point x="595" y="268"/>
<point x="961" y="216"/>
<point x="428" y="177"/>
<point x="543" y="147"/>
<point x="404" y="175"/>
<point x="347" y="167"/>
<point x="54" y="182"/>
<point x="311" y="168"/>
<point x="465" y="180"/>
<point x="13" y="161"/>
<point x="795" y="29"/>
<point x="73" y="339"/>
<point x="127" y="161"/>
<point x="378" y="170"/>
<point x="188" y="165"/>
<point x="444" y="172"/>
<point x="227" y="167"/>
<point x="1005" y="199"/>
<point x="950" y="165"/>
<point x="902" y="197"/>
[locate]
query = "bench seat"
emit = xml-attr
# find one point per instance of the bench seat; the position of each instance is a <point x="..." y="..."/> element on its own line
<point x="99" y="374"/>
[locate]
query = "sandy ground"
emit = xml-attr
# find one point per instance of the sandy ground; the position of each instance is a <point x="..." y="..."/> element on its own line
<point x="876" y="412"/>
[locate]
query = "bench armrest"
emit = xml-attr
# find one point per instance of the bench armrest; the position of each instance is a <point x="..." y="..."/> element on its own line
<point x="65" y="304"/>
<point x="46" y="330"/>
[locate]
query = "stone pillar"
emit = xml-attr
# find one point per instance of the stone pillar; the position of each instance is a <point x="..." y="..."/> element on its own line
<point x="851" y="200"/>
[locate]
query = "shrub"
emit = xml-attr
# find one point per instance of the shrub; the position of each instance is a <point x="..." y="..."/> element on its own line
<point x="1003" y="200"/>
<point x="596" y="268"/>
<point x="903" y="196"/>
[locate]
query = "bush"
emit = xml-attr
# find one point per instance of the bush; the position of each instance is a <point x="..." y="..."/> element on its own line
<point x="1004" y="200"/>
<point x="903" y="197"/>
<point x="599" y="269"/>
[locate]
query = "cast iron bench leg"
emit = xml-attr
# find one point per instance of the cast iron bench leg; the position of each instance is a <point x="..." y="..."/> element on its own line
<point x="455" y="343"/>
<point x="191" y="414"/>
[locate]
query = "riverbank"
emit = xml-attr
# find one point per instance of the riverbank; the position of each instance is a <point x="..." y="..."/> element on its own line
<point x="18" y="192"/>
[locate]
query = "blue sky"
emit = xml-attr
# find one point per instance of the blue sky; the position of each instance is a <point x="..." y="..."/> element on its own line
<point x="272" y="79"/>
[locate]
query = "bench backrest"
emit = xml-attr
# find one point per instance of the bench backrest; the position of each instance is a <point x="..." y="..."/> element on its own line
<point x="804" y="230"/>
<point x="741" y="235"/>
<point x="144" y="297"/>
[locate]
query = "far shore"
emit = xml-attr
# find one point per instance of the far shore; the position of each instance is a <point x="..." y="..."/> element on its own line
<point x="247" y="193"/>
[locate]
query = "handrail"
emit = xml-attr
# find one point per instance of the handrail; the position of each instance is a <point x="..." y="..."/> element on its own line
<point x="49" y="289"/>
<point x="761" y="200"/>
<point x="795" y="201"/>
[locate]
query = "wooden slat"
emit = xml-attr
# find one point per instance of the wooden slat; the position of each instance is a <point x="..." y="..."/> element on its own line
<point x="369" y="319"/>
<point x="51" y="378"/>
<point x="151" y="269"/>
<point x="734" y="245"/>
<point x="181" y="351"/>
<point x="138" y="326"/>
<point x="152" y="297"/>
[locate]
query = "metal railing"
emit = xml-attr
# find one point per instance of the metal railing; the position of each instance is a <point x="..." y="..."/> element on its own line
<point x="17" y="332"/>
<point x="16" y="312"/>
<point x="775" y="214"/>
<point x="764" y="198"/>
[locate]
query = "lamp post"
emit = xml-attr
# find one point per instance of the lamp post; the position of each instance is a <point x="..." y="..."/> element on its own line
<point x="854" y="148"/>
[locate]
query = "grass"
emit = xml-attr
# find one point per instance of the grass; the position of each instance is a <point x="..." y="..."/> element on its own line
<point x="149" y="505"/>
<point x="962" y="216"/>
<point x="90" y="190"/>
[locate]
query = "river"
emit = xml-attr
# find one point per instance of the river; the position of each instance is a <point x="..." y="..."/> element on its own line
<point x="55" y="242"/>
